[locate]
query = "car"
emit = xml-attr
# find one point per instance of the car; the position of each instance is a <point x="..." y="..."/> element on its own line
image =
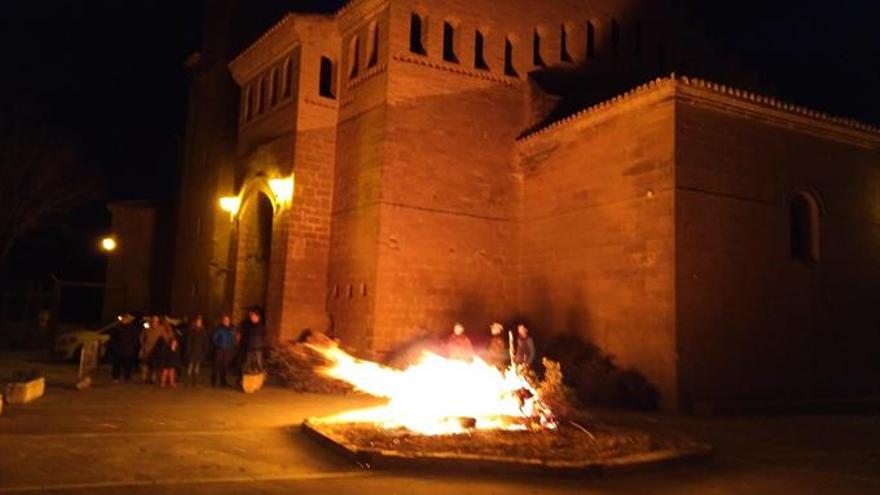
<point x="67" y="344"/>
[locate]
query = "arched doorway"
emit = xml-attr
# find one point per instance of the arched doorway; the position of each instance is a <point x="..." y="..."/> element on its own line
<point x="254" y="251"/>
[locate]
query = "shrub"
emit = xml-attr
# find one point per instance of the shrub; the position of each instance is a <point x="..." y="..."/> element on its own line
<point x="596" y="378"/>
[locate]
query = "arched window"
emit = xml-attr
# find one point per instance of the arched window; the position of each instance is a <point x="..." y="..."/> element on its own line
<point x="288" y="77"/>
<point x="563" y="45"/>
<point x="373" y="58"/>
<point x="804" y="226"/>
<point x="325" y="78"/>
<point x="537" y="59"/>
<point x="591" y="40"/>
<point x="615" y="37"/>
<point x="354" y="54"/>
<point x="449" y="43"/>
<point x="261" y="96"/>
<point x="276" y="87"/>
<point x="509" y="66"/>
<point x="417" y="35"/>
<point x="480" y="52"/>
<point x="248" y="103"/>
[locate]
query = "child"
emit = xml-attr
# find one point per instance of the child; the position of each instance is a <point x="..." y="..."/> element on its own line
<point x="170" y="360"/>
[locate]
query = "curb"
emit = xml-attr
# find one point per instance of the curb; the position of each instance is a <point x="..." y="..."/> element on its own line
<point x="392" y="460"/>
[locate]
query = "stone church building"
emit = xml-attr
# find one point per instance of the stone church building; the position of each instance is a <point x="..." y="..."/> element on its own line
<point x="396" y="166"/>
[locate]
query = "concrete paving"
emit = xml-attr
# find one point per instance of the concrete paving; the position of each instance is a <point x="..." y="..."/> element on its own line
<point x="135" y="438"/>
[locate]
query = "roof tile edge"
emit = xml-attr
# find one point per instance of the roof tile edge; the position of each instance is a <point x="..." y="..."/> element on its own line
<point x="756" y="98"/>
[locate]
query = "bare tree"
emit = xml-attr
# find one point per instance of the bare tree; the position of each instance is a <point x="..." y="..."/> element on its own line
<point x="41" y="178"/>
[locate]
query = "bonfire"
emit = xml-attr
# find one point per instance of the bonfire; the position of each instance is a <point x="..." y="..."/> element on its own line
<point x="439" y="395"/>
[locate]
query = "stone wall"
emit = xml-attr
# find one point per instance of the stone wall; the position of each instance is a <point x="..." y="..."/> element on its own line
<point x="360" y="150"/>
<point x="754" y="323"/>
<point x="597" y="241"/>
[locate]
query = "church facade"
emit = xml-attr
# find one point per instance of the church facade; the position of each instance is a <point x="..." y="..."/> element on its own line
<point x="400" y="165"/>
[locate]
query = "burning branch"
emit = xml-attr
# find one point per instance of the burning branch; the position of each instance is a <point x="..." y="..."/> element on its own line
<point x="438" y="395"/>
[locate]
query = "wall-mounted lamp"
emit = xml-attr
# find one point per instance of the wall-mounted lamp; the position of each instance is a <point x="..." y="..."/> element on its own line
<point x="230" y="204"/>
<point x="108" y="244"/>
<point x="282" y="189"/>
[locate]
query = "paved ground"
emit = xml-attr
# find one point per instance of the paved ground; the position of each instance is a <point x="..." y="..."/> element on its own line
<point x="137" y="439"/>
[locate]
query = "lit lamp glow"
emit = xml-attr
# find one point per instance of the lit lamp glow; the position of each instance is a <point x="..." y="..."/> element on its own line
<point x="282" y="189"/>
<point x="230" y="205"/>
<point x="108" y="244"/>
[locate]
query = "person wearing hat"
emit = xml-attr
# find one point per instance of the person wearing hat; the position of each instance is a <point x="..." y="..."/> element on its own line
<point x="496" y="352"/>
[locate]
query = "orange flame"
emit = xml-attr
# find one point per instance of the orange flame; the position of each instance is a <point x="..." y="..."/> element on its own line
<point x="432" y="396"/>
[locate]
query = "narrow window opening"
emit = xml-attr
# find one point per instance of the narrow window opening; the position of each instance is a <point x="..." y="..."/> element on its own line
<point x="248" y="103"/>
<point x="537" y="59"/>
<point x="417" y="35"/>
<point x="355" y="55"/>
<point x="449" y="43"/>
<point x="563" y="45"/>
<point x="261" y="97"/>
<point x="374" y="45"/>
<point x="288" y="77"/>
<point x="615" y="37"/>
<point x="509" y="67"/>
<point x="325" y="78"/>
<point x="804" y="227"/>
<point x="591" y="40"/>
<point x="276" y="87"/>
<point x="480" y="52"/>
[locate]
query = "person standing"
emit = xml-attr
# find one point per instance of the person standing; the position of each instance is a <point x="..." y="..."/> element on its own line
<point x="497" y="353"/>
<point x="525" y="347"/>
<point x="123" y="347"/>
<point x="225" y="340"/>
<point x="168" y="356"/>
<point x="196" y="348"/>
<point x="459" y="346"/>
<point x="152" y="332"/>
<point x="255" y="341"/>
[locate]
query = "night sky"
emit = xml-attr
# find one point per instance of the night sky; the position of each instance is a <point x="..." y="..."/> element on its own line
<point x="109" y="75"/>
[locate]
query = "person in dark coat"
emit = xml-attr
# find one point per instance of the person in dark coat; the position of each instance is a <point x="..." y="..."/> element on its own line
<point x="497" y="353"/>
<point x="196" y="348"/>
<point x="225" y="339"/>
<point x="149" y="340"/>
<point x="123" y="347"/>
<point x="525" y="347"/>
<point x="254" y="335"/>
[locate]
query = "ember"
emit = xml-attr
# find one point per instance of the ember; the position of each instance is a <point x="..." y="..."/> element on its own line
<point x="439" y="396"/>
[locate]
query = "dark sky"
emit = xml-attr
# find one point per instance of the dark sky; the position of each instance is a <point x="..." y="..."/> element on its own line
<point x="110" y="74"/>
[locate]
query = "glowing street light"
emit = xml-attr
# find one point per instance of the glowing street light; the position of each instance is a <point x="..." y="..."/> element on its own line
<point x="230" y="204"/>
<point x="282" y="189"/>
<point x="108" y="244"/>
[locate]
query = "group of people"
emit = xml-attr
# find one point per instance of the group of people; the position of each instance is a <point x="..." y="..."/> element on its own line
<point x="500" y="352"/>
<point x="163" y="350"/>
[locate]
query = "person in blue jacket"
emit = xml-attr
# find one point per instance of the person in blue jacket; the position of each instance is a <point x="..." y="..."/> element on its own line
<point x="225" y="340"/>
